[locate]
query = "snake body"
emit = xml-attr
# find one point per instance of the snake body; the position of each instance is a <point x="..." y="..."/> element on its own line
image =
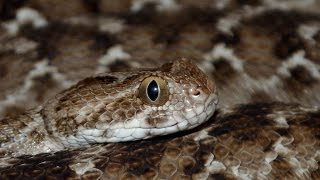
<point x="61" y="138"/>
<point x="263" y="55"/>
<point x="255" y="141"/>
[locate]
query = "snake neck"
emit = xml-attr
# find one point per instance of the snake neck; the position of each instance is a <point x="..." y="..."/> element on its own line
<point x="26" y="134"/>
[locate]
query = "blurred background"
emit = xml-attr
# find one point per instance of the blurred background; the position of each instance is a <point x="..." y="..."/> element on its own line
<point x="256" y="50"/>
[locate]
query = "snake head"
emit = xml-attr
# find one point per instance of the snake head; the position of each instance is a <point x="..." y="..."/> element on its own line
<point x="126" y="106"/>
<point x="192" y="98"/>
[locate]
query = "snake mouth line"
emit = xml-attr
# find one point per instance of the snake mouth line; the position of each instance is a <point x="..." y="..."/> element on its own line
<point x="134" y="133"/>
<point x="212" y="99"/>
<point x="148" y="132"/>
<point x="185" y="124"/>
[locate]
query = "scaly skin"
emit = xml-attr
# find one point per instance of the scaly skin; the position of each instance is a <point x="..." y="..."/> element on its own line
<point x="258" y="51"/>
<point x="255" y="141"/>
<point x="111" y="108"/>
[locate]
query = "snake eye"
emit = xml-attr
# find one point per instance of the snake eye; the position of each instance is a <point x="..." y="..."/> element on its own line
<point x="154" y="91"/>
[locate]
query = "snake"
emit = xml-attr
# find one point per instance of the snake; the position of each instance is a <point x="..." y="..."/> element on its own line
<point x="121" y="125"/>
<point x="114" y="107"/>
<point x="262" y="57"/>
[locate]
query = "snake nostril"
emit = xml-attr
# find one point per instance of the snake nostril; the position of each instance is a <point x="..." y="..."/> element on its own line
<point x="196" y="92"/>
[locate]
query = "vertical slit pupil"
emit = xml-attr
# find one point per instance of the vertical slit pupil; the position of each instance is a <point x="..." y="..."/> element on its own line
<point x="153" y="90"/>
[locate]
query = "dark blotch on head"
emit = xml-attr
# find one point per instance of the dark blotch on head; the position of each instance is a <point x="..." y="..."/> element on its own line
<point x="131" y="78"/>
<point x="92" y="81"/>
<point x="105" y="79"/>
<point x="167" y="67"/>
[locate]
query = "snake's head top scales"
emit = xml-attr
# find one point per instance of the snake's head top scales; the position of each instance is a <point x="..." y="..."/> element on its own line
<point x="125" y="106"/>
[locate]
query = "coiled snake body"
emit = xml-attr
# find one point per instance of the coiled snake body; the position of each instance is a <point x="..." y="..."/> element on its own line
<point x="64" y="136"/>
<point x="263" y="54"/>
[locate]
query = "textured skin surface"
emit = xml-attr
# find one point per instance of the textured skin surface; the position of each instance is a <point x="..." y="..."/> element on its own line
<point x="257" y="141"/>
<point x="110" y="108"/>
<point x="258" y="51"/>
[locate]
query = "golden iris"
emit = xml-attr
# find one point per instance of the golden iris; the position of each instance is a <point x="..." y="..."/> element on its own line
<point x="154" y="91"/>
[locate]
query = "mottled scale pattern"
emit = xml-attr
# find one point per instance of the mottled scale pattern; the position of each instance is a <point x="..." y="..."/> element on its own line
<point x="111" y="107"/>
<point x="263" y="55"/>
<point x="256" y="141"/>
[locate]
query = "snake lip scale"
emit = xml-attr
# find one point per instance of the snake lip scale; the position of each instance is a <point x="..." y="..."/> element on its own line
<point x="114" y="107"/>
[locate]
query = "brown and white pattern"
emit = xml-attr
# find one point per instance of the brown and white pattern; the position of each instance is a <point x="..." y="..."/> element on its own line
<point x="114" y="107"/>
<point x="257" y="51"/>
